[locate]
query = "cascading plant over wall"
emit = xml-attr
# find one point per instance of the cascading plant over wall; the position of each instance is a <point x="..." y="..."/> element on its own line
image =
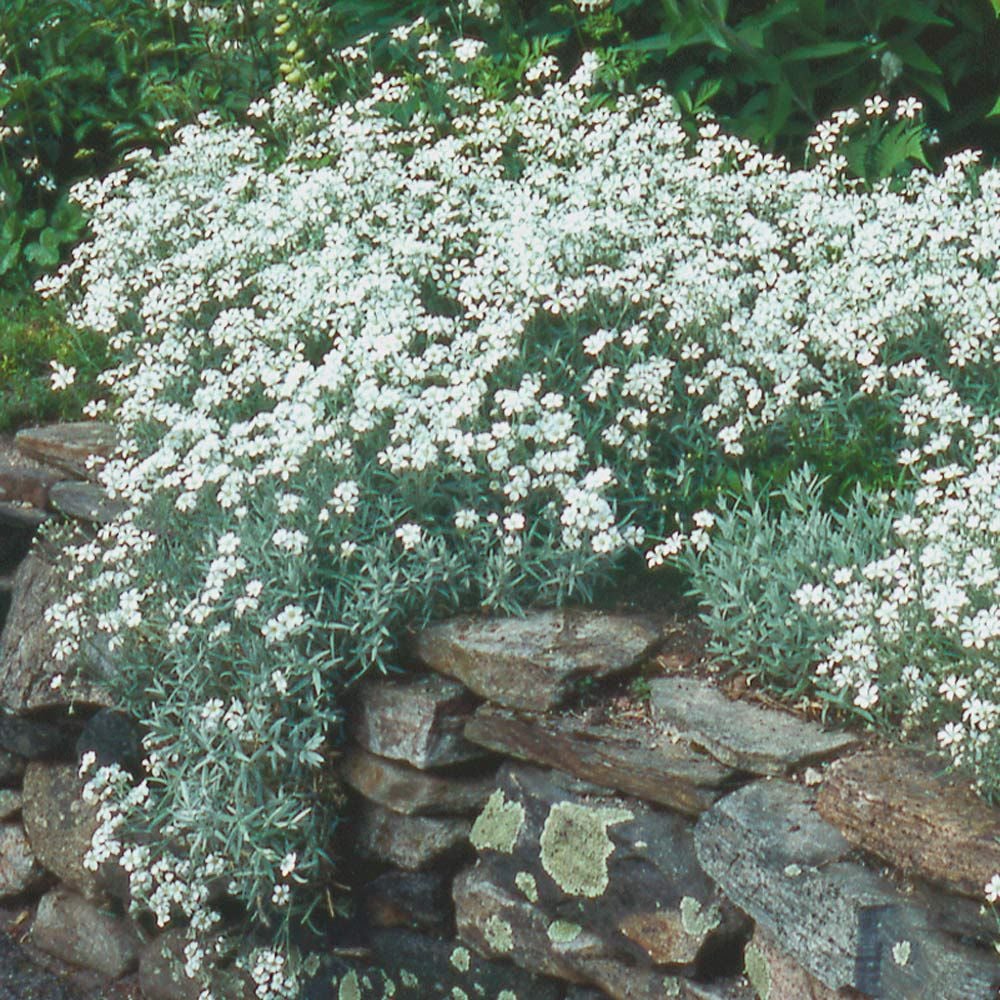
<point x="370" y="370"/>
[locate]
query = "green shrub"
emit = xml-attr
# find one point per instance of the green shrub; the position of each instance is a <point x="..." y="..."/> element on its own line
<point x="378" y="361"/>
<point x="39" y="349"/>
<point x="81" y="82"/>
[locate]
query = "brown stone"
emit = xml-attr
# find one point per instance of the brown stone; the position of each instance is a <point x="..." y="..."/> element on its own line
<point x="85" y="502"/>
<point x="71" y="447"/>
<point x="638" y="761"/>
<point x="77" y="931"/>
<point x="417" y="720"/>
<point x="27" y="663"/>
<point x="902" y="808"/>
<point x="413" y="843"/>
<point x="795" y="875"/>
<point x="740" y="733"/>
<point x="407" y="790"/>
<point x="59" y="824"/>
<point x="536" y="662"/>
<point x="27" y="485"/>
<point x="615" y="866"/>
<point x="19" y="871"/>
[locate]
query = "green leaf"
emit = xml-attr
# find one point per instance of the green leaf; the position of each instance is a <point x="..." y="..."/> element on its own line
<point x="995" y="110"/>
<point x="824" y="50"/>
<point x="914" y="56"/>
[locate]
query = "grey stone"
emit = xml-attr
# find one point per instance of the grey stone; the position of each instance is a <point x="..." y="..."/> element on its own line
<point x="10" y="803"/>
<point x="22" y="515"/>
<point x="75" y="930"/>
<point x="636" y="760"/>
<point x="12" y="767"/>
<point x="740" y="733"/>
<point x="85" y="502"/>
<point x="113" y="738"/>
<point x="794" y="874"/>
<point x="22" y="979"/>
<point x="27" y="662"/>
<point x="417" y="720"/>
<point x="407" y="790"/>
<point x="413" y="843"/>
<point x="616" y="867"/>
<point x="19" y="871"/>
<point x="26" y="485"/>
<point x="500" y="924"/>
<point x="60" y="824"/>
<point x="161" y="973"/>
<point x="416" y="900"/>
<point x="536" y="662"/>
<point x="777" y="976"/>
<point x="69" y="446"/>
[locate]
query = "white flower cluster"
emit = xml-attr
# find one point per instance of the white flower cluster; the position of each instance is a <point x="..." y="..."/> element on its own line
<point x="393" y="368"/>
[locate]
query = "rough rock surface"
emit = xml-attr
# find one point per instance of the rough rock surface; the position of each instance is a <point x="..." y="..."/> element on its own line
<point x="417" y="720"/>
<point x="413" y="843"/>
<point x="623" y="871"/>
<point x="69" y="446"/>
<point x="900" y="807"/>
<point x="27" y="485"/>
<point x="407" y="790"/>
<point x="637" y="761"/>
<point x="534" y="663"/>
<point x="502" y="924"/>
<point x="75" y="930"/>
<point x="417" y="900"/>
<point x="793" y="872"/>
<point x="19" y="871"/>
<point x="22" y="979"/>
<point x="776" y="976"/>
<point x="60" y="824"/>
<point x="161" y="973"/>
<point x="10" y="804"/>
<point x="27" y="664"/>
<point x="84" y="501"/>
<point x="739" y="733"/>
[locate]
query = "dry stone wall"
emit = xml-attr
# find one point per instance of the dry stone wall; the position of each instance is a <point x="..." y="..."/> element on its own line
<point x="519" y="829"/>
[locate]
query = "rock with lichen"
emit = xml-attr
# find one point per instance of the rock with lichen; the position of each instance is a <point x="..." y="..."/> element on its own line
<point x="613" y="865"/>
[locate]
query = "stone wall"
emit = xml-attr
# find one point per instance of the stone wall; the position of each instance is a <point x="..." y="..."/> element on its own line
<point x="525" y="822"/>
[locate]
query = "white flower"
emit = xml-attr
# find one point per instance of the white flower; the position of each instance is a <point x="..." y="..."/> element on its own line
<point x="992" y="889"/>
<point x="866" y="696"/>
<point x="410" y="535"/>
<point x="908" y="107"/>
<point x="61" y="377"/>
<point x="876" y="106"/>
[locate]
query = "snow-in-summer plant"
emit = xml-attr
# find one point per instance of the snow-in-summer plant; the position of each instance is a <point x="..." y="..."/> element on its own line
<point x="371" y="370"/>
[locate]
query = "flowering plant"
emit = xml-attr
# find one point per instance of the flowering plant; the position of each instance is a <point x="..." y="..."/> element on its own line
<point x="384" y="369"/>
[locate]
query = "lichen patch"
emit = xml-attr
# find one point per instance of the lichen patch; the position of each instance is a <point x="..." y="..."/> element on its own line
<point x="499" y="934"/>
<point x="497" y="826"/>
<point x="525" y="881"/>
<point x="575" y="846"/>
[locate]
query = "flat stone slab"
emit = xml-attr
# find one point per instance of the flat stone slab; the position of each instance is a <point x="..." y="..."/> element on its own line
<point x="902" y="808"/>
<point x="75" y="930"/>
<point x="413" y="843"/>
<point x="417" y="720"/>
<point x="84" y="501"/>
<point x="635" y="760"/>
<point x="535" y="663"/>
<point x="794" y="874"/>
<point x="739" y="733"/>
<point x="622" y="870"/>
<point x="407" y="790"/>
<point x="69" y="447"/>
